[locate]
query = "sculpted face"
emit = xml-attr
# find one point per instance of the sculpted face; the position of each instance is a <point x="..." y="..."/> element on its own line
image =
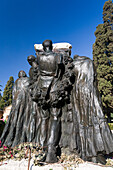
<point x="31" y="59"/>
<point x="22" y="74"/>
<point x="47" y="45"/>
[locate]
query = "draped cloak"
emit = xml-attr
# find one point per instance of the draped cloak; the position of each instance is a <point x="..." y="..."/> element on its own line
<point x="84" y="127"/>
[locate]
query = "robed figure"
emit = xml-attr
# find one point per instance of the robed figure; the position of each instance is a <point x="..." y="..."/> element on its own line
<point x="22" y="121"/>
<point x="59" y="106"/>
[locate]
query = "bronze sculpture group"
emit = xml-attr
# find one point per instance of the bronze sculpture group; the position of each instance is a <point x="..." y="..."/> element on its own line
<point x="58" y="106"/>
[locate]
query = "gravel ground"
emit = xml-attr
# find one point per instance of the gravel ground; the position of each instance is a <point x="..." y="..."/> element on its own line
<point x="23" y="165"/>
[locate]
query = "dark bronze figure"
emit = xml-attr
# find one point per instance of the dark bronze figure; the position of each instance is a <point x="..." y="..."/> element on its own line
<point x="20" y="126"/>
<point x="59" y="106"/>
<point x="50" y="96"/>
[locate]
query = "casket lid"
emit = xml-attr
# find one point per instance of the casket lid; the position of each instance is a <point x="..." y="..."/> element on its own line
<point x="64" y="45"/>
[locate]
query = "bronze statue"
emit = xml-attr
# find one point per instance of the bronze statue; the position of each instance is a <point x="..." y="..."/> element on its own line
<point x="51" y="69"/>
<point x="59" y="106"/>
<point x="18" y="128"/>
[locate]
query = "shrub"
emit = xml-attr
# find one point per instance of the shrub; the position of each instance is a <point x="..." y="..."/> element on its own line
<point x="110" y="125"/>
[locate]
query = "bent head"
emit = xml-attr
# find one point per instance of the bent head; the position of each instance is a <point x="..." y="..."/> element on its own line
<point x="30" y="59"/>
<point x="22" y="74"/>
<point x="47" y="45"/>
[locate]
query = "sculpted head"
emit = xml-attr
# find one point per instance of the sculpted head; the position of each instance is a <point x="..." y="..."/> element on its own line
<point x="30" y="59"/>
<point x="22" y="74"/>
<point x="47" y="45"/>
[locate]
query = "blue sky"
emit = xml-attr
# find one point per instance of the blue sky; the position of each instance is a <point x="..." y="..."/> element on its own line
<point x="24" y="23"/>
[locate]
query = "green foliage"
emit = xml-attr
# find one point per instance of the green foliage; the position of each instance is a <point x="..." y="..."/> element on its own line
<point x="0" y="92"/>
<point x="110" y="125"/>
<point x="7" y="94"/>
<point x="103" y="57"/>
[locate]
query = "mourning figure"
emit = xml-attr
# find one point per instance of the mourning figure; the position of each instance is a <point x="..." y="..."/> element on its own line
<point x="88" y="131"/>
<point x="58" y="106"/>
<point x="50" y="94"/>
<point x="19" y="128"/>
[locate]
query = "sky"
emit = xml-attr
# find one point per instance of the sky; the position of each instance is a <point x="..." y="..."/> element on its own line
<point x="24" y="23"/>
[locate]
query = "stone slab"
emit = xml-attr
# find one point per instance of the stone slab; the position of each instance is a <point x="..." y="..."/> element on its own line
<point x="23" y="164"/>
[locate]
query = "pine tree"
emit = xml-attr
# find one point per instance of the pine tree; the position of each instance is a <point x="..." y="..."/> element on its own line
<point x="7" y="94"/>
<point x="103" y="57"/>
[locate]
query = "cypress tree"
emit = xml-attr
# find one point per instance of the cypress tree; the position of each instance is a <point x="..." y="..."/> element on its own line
<point x="103" y="57"/>
<point x="7" y="94"/>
